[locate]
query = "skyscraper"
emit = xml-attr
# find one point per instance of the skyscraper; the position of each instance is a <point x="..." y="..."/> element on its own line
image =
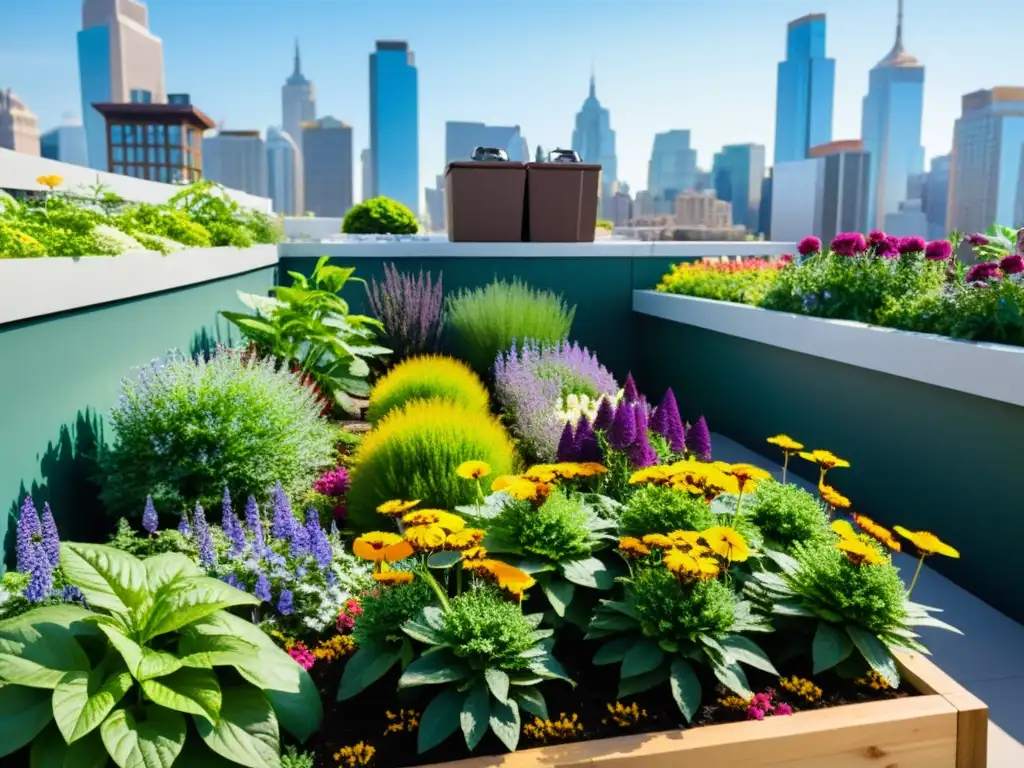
<point x="298" y="106"/>
<point x="366" y="163"/>
<point x="65" y="143"/>
<point x="986" y="179"/>
<point x="238" y="160"/>
<point x="891" y="127"/>
<point x="594" y="139"/>
<point x="327" y="161"/>
<point x="737" y="175"/>
<point x="672" y="169"/>
<point x="282" y="172"/>
<point x="394" y="124"/>
<point x="19" y="127"/>
<point x="936" y="196"/>
<point x="119" y="61"/>
<point x="803" y="101"/>
<point x="436" y="212"/>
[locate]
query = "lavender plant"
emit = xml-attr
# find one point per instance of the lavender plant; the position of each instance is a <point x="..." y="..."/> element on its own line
<point x="410" y="308"/>
<point x="532" y="382"/>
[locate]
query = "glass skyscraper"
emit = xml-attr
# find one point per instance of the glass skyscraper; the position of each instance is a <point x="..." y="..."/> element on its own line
<point x="737" y="174"/>
<point x="594" y="139"/>
<point x="671" y="170"/>
<point x="891" y="128"/>
<point x="803" y="101"/>
<point x="394" y="124"/>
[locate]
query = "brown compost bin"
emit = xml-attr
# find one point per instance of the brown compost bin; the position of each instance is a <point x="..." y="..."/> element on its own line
<point x="484" y="198"/>
<point x="562" y="199"/>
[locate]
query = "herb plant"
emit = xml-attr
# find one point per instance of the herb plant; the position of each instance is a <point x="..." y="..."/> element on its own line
<point x="411" y="310"/>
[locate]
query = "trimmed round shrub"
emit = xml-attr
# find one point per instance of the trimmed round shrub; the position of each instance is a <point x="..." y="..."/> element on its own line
<point x="184" y="429"/>
<point x="660" y="509"/>
<point x="380" y="216"/>
<point x="786" y="514"/>
<point x="424" y="378"/>
<point x="413" y="454"/>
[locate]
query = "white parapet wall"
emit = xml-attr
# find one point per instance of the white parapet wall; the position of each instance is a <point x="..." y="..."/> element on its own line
<point x="309" y="228"/>
<point x="20" y="171"/>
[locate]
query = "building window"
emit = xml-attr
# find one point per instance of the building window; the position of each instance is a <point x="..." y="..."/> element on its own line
<point x="138" y="134"/>
<point x="151" y="134"/>
<point x="141" y="96"/>
<point x="116" y="136"/>
<point x="174" y="134"/>
<point x="160" y="139"/>
<point x="161" y="155"/>
<point x="178" y="175"/>
<point x="118" y="154"/>
<point x="163" y="175"/>
<point x="175" y="157"/>
<point x="131" y="154"/>
<point x="119" y="169"/>
<point x="152" y="155"/>
<point x="129" y="134"/>
<point x="193" y="139"/>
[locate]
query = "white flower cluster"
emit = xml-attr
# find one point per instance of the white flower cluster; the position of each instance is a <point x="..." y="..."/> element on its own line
<point x="572" y="407"/>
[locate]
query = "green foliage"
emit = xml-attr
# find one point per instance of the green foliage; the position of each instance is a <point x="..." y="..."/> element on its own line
<point x="292" y="758"/>
<point x="309" y="325"/>
<point x="184" y="429"/>
<point x="145" y="545"/>
<point x="661" y="509"/>
<point x="557" y="530"/>
<point x="228" y="223"/>
<point x="605" y="224"/>
<point x="667" y="612"/>
<point x="485" y="321"/>
<point x="787" y="514"/>
<point x="385" y="610"/>
<point x="155" y="646"/>
<point x="488" y="631"/>
<point x="12" y="588"/>
<point x="424" y="378"/>
<point x="380" y="216"/>
<point x="413" y="454"/>
<point x="171" y="223"/>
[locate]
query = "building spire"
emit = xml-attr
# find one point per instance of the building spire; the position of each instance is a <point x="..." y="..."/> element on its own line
<point x="898" y="56"/>
<point x="593" y="85"/>
<point x="899" y="25"/>
<point x="298" y="61"/>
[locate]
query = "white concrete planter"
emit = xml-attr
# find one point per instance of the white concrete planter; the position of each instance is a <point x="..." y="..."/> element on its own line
<point x="49" y="285"/>
<point x="994" y="371"/>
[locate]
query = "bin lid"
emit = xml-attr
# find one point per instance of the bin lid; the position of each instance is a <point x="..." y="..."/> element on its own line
<point x="506" y="164"/>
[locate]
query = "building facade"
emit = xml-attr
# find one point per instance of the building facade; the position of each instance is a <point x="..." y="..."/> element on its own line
<point x="936" y="196"/>
<point x="594" y="140"/>
<point x="65" y="143"/>
<point x="394" y="124"/>
<point x="806" y="85"/>
<point x="327" y="161"/>
<point x="298" y="107"/>
<point x="366" y="168"/>
<point x="737" y="174"/>
<point x="986" y="178"/>
<point x="891" y="127"/>
<point x="461" y="138"/>
<point x="436" y="212"/>
<point x="19" y="127"/>
<point x="119" y="61"/>
<point x="283" y="172"/>
<point x="699" y="209"/>
<point x="236" y="160"/>
<point x="672" y="169"/>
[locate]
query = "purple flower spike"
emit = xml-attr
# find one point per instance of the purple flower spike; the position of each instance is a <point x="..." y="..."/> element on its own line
<point x="566" y="445"/>
<point x="668" y="423"/>
<point x="938" y="250"/>
<point x="150" y="521"/>
<point x="206" y="555"/>
<point x="641" y="453"/>
<point x="911" y="245"/>
<point x="300" y="541"/>
<point x="284" y="521"/>
<point x="622" y="433"/>
<point x="605" y="414"/>
<point x="809" y="245"/>
<point x="587" y="448"/>
<point x="255" y="526"/>
<point x="29" y="529"/>
<point x="630" y="394"/>
<point x="286" y="602"/>
<point x="40" y="583"/>
<point x="183" y="526"/>
<point x="319" y="544"/>
<point x="262" y="590"/>
<point x="51" y="541"/>
<point x="698" y="440"/>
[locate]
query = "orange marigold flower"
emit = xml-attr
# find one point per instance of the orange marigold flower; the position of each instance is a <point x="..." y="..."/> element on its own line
<point x="426" y="538"/>
<point x="832" y="497"/>
<point x="878" y="532"/>
<point x="372" y="546"/>
<point x="633" y="547"/>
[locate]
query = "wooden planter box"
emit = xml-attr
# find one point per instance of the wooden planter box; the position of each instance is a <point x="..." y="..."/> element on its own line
<point x="946" y="727"/>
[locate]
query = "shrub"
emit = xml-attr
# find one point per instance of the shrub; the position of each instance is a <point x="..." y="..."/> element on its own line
<point x="661" y="509"/>
<point x="184" y="429"/>
<point x="167" y="222"/>
<point x="786" y="515"/>
<point x="605" y="224"/>
<point x="413" y="454"/>
<point x="386" y="609"/>
<point x="425" y="378"/>
<point x="486" y="321"/>
<point x="667" y="612"/>
<point x="535" y="384"/>
<point x="411" y="310"/>
<point x="228" y="223"/>
<point x="380" y="216"/>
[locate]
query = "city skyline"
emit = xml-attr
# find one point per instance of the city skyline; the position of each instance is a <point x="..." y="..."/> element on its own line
<point x="737" y="94"/>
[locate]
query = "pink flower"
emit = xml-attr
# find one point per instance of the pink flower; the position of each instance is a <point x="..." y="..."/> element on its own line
<point x="848" y="244"/>
<point x="983" y="270"/>
<point x="875" y="236"/>
<point x="786" y="258"/>
<point x="1011" y="265"/>
<point x="809" y="245"/>
<point x="888" y="247"/>
<point x="976" y="239"/>
<point x="753" y="713"/>
<point x="938" y="250"/>
<point x="353" y="607"/>
<point x="302" y="655"/>
<point x="783" y="709"/>
<point x="911" y="245"/>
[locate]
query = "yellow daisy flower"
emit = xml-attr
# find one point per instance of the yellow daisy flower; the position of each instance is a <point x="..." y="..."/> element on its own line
<point x="473" y="470"/>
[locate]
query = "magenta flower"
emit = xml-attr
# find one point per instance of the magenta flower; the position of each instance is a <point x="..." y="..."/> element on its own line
<point x="1011" y="265"/>
<point x="911" y="245"/>
<point x="333" y="483"/>
<point x="848" y="244"/>
<point x="983" y="270"/>
<point x="786" y="258"/>
<point x="888" y="247"/>
<point x="302" y="655"/>
<point x="809" y="245"/>
<point x="976" y="239"/>
<point x="566" y="445"/>
<point x="753" y="713"/>
<point x="876" y="236"/>
<point x="783" y="709"/>
<point x="938" y="250"/>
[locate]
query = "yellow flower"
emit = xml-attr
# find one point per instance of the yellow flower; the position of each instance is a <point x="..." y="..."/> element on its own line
<point x="591" y="469"/>
<point x="737" y="703"/>
<point x="844" y="529"/>
<point x="464" y="539"/>
<point x="393" y="577"/>
<point x="625" y="716"/>
<point x="687" y="540"/>
<point x="802" y="687"/>
<point x="540" y="473"/>
<point x="473" y="470"/>
<point x="567" y="470"/>
<point x="726" y="543"/>
<point x="355" y="755"/>
<point x="926" y="543"/>
<point x="824" y="459"/>
<point x="859" y="553"/>
<point x="786" y="443"/>
<point x="658" y="541"/>
<point x="474" y="553"/>
<point x="51" y="181"/>
<point x="503" y="482"/>
<point x="528" y="490"/>
<point x="549" y="731"/>
<point x="877" y="532"/>
<point x="832" y="497"/>
<point x="373" y="545"/>
<point x="632" y="547"/>
<point x="707" y="568"/>
<point x="426" y="538"/>
<point x="508" y="578"/>
<point x="747" y="475"/>
<point x="446" y="520"/>
<point x="407" y="720"/>
<point x="656" y="475"/>
<point x="337" y="647"/>
<point x="396" y="507"/>
<point x="681" y="563"/>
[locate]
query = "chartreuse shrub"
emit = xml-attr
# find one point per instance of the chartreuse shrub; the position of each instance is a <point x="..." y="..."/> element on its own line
<point x="184" y="429"/>
<point x="413" y="453"/>
<point x="661" y="509"/>
<point x="485" y="321"/>
<point x="787" y="514"/>
<point x="425" y="378"/>
<point x="156" y="648"/>
<point x="380" y="216"/>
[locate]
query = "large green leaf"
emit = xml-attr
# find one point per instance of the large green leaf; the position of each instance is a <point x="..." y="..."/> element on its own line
<point x="109" y="578"/>
<point x="559" y="593"/>
<point x="153" y="742"/>
<point x="548" y="666"/>
<point x="746" y="651"/>
<point x="733" y="678"/>
<point x="246" y="731"/>
<point x="51" y="751"/>
<point x="37" y="655"/>
<point x="613" y="651"/>
<point x="875" y="653"/>
<point x="589" y="572"/>
<point x="71" y="617"/>
<point x="208" y="651"/>
<point x="440" y="719"/>
<point x="630" y="686"/>
<point x="188" y="600"/>
<point x="475" y="714"/>
<point x="831" y="645"/>
<point x="82" y="700"/>
<point x="532" y="700"/>
<point x="498" y="682"/>
<point x="366" y="667"/>
<point x="685" y="688"/>
<point x="192" y="691"/>
<point x="167" y="568"/>
<point x="643" y="657"/>
<point x="24" y="712"/>
<point x="505" y="723"/>
<point x="442" y="666"/>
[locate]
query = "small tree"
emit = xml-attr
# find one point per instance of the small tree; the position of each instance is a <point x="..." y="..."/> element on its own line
<point x="380" y="216"/>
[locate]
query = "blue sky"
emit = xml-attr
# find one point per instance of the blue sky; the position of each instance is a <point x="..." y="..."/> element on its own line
<point x="706" y="65"/>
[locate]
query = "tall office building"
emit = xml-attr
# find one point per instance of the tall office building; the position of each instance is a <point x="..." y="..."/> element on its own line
<point x="19" y="127"/>
<point x="119" y="61"/>
<point x="764" y="218"/>
<point x="366" y="167"/>
<point x="594" y="140"/>
<point x="237" y="160"/>
<point x="65" y="143"/>
<point x="327" y="161"/>
<point x="283" y="172"/>
<point x="806" y="82"/>
<point x="986" y="179"/>
<point x="737" y="174"/>
<point x="460" y="139"/>
<point x="891" y="127"/>
<point x="672" y="169"/>
<point x="394" y="124"/>
<point x="298" y="106"/>
<point x="699" y="209"/>
<point x="936" y="196"/>
<point x="436" y="212"/>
